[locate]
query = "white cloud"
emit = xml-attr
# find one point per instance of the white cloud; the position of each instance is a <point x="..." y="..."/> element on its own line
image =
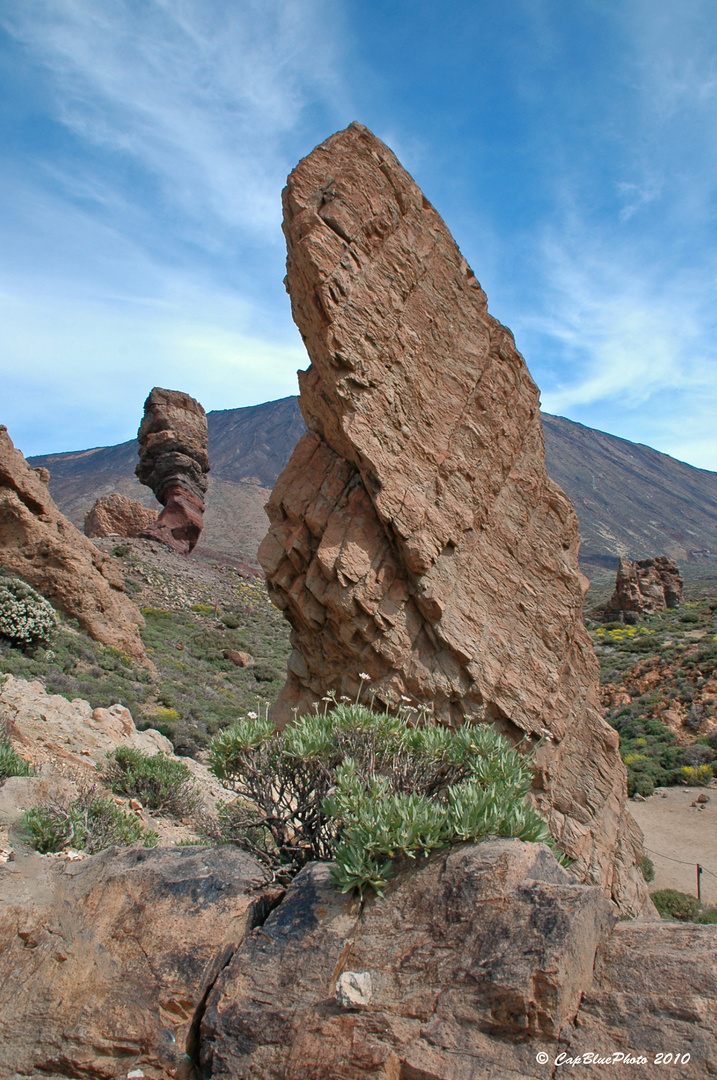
<point x="201" y="95"/>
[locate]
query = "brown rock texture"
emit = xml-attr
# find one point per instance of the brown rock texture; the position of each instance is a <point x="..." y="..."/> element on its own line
<point x="116" y="515"/>
<point x="474" y="963"/>
<point x="174" y="462"/>
<point x="415" y="535"/>
<point x="104" y="963"/>
<point x="644" y="587"/>
<point x="43" y="548"/>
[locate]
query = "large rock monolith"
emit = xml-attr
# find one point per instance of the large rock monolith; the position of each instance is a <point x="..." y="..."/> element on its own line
<point x="415" y="535"/>
<point x="174" y="462"/>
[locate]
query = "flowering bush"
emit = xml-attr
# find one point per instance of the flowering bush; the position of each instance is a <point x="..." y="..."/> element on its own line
<point x="365" y="789"/>
<point x="26" y="618"/>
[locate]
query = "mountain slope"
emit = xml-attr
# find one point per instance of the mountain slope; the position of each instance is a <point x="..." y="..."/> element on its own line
<point x="630" y="499"/>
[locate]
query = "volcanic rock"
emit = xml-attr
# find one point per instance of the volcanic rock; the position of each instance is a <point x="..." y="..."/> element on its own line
<point x="415" y="536"/>
<point x="43" y="548"/>
<point x="479" y="962"/>
<point x="644" y="587"/>
<point x="116" y="515"/>
<point x="104" y="962"/>
<point x="173" y="462"/>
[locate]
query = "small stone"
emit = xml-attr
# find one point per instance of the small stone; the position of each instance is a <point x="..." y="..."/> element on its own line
<point x="136" y="1074"/>
<point x="353" y="989"/>
<point x="241" y="659"/>
<point x="702" y="798"/>
<point x="638" y="798"/>
<point x="135" y="804"/>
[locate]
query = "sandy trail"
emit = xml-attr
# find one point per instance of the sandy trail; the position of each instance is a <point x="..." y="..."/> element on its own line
<point x="678" y="836"/>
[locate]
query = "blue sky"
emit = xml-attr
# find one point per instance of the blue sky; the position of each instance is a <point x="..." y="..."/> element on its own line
<point x="569" y="144"/>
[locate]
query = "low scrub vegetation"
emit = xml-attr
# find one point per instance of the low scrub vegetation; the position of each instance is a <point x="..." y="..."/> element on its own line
<point x="26" y="618"/>
<point x="368" y="789"/>
<point x="659" y="683"/>
<point x="683" y="907"/>
<point x="159" y="782"/>
<point x="11" y="764"/>
<point x="89" y="823"/>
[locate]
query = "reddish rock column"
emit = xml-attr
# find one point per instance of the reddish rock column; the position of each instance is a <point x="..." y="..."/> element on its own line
<point x="173" y="462"/>
<point x="415" y="535"/>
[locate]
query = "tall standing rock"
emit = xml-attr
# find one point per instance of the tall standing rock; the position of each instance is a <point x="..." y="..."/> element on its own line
<point x="174" y="462"/>
<point x="415" y="535"/>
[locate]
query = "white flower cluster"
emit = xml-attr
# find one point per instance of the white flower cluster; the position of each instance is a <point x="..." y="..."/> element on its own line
<point x="26" y="618"/>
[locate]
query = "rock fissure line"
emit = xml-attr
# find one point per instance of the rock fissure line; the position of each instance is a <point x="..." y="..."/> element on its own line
<point x="257" y="916"/>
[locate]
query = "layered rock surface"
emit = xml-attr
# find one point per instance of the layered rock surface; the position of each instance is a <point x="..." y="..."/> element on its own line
<point x="116" y="515"/>
<point x="644" y="587"/>
<point x="174" y="462"/>
<point x="43" y="548"/>
<point x="415" y="535"/>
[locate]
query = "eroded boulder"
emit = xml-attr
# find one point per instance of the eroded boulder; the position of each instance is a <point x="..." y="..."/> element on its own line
<point x="174" y="462"/>
<point x="116" y="515"/>
<point x="415" y="535"/>
<point x="104" y="963"/>
<point x="644" y="587"/>
<point x="39" y="545"/>
<point x="480" y="954"/>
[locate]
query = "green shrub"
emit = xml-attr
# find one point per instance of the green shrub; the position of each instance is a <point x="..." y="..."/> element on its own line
<point x="672" y="904"/>
<point x="26" y="618"/>
<point x="89" y="823"/>
<point x="706" y="916"/>
<point x="11" y="764"/>
<point x="158" y="781"/>
<point x="647" y="868"/>
<point x="367" y="789"/>
<point x="231" y="621"/>
<point x="203" y="609"/>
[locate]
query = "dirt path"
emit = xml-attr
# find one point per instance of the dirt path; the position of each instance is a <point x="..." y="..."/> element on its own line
<point x="678" y="836"/>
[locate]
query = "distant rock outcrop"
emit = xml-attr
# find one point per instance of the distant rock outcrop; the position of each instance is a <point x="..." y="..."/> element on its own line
<point x="644" y="587"/>
<point x="174" y="462"/>
<point x="116" y="515"/>
<point x="43" y="548"/>
<point x="415" y="535"/>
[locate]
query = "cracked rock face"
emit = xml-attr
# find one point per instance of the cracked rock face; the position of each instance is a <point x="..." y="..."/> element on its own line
<point x="486" y="963"/>
<point x="39" y="545"/>
<point x="174" y="462"/>
<point x="105" y="963"/>
<point x="415" y="535"/>
<point x="644" y="587"/>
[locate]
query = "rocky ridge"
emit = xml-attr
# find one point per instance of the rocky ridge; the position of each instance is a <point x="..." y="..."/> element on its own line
<point x="415" y="535"/>
<point x="173" y="462"/>
<point x="43" y="548"/>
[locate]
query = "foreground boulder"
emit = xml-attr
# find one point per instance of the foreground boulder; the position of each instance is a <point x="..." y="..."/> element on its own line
<point x="644" y="587"/>
<point x="43" y="548"/>
<point x="487" y="962"/>
<point x="474" y="964"/>
<point x="104" y="963"/>
<point x="174" y="462"/>
<point x="415" y="535"/>
<point x="116" y="515"/>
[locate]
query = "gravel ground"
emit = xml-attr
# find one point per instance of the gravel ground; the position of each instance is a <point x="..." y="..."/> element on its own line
<point x="678" y="836"/>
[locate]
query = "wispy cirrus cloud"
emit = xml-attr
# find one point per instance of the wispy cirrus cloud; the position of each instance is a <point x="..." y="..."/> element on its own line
<point x="141" y="205"/>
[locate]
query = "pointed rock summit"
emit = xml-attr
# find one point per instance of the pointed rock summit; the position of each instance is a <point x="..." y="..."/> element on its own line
<point x="415" y="535"/>
<point x="174" y="462"/>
